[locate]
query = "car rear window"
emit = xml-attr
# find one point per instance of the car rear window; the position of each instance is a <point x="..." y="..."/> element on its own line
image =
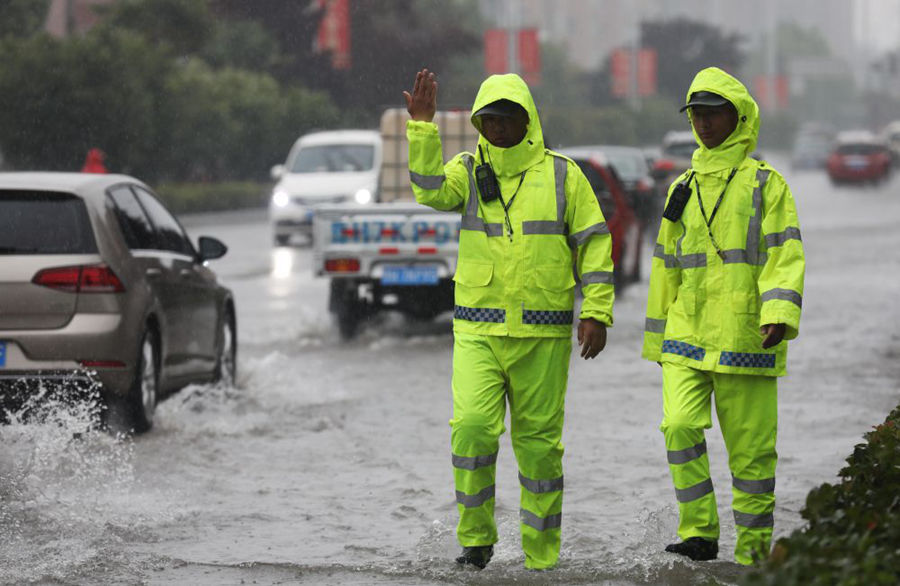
<point x="601" y="189"/>
<point x="859" y="149"/>
<point x="40" y="222"/>
<point x="334" y="158"/>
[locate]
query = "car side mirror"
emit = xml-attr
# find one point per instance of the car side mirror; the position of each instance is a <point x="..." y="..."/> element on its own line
<point x="277" y="172"/>
<point x="211" y="248"/>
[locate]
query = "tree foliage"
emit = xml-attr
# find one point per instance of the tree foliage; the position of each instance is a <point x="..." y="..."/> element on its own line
<point x="684" y="47"/>
<point x="22" y="18"/>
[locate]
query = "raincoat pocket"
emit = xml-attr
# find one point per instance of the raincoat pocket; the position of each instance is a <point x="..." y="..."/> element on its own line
<point x="687" y="299"/>
<point x="744" y="302"/>
<point x="554" y="278"/>
<point x="474" y="274"/>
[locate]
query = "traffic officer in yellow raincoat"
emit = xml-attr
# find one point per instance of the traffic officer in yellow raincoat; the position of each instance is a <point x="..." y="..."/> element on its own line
<point x="726" y="288"/>
<point x="528" y="216"/>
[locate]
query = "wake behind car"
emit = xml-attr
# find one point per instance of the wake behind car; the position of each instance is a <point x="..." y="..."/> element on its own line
<point x="331" y="167"/>
<point x="100" y="283"/>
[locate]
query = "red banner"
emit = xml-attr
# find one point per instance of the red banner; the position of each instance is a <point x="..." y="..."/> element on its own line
<point x="772" y="93"/>
<point x="529" y="53"/>
<point x="334" y="32"/>
<point x="620" y="69"/>
<point x="496" y="47"/>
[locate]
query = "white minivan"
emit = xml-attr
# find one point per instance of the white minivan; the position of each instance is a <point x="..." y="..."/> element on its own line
<point x="336" y="166"/>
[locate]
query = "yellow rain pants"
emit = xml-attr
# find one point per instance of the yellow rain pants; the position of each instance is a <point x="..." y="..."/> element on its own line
<point x="530" y="374"/>
<point x="747" y="408"/>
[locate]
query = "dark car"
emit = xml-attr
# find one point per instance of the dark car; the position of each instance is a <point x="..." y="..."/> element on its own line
<point x="100" y="286"/>
<point x="859" y="157"/>
<point x="623" y="223"/>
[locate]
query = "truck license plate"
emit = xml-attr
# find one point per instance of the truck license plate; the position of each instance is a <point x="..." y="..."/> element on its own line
<point x="2" y="354"/>
<point x="409" y="275"/>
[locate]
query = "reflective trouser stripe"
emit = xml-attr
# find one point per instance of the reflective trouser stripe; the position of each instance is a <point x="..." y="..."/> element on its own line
<point x="531" y="373"/>
<point x="692" y="493"/>
<point x="686" y="455"/>
<point x="475" y="500"/>
<point x="754" y="521"/>
<point x="747" y="410"/>
<point x="540" y="523"/>
<point x="753" y="486"/>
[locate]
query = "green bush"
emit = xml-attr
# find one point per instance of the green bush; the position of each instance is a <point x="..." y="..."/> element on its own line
<point x="853" y="532"/>
<point x="183" y="198"/>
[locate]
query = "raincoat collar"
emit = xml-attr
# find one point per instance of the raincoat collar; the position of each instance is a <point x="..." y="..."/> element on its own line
<point x="515" y="159"/>
<point x="742" y="142"/>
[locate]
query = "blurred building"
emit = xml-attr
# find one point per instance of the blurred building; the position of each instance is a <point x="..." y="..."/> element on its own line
<point x="68" y="17"/>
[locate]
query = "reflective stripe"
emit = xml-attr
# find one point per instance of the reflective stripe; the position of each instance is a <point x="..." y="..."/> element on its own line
<point x="683" y="349"/>
<point x="668" y="259"/>
<point x="784" y="295"/>
<point x="479" y="314"/>
<point x="427" y="181"/>
<point x="747" y="359"/>
<point x="738" y="255"/>
<point x="474" y="462"/>
<point x="754" y="226"/>
<point x="543" y="227"/>
<point x="655" y="326"/>
<point x="763" y="486"/>
<point x="547" y="318"/>
<point x="479" y="225"/>
<point x="541" y="486"/>
<point x="475" y="500"/>
<point x="754" y="521"/>
<point x="472" y="203"/>
<point x="779" y="238"/>
<point x="686" y="455"/>
<point x="560" y="169"/>
<point x="691" y="261"/>
<point x="580" y="238"/>
<point x="540" y="523"/>
<point x="692" y="493"/>
<point x="595" y="277"/>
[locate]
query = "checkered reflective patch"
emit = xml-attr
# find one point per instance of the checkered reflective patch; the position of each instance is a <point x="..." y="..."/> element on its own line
<point x="747" y="359"/>
<point x="483" y="314"/>
<point x="683" y="349"/>
<point x="547" y="318"/>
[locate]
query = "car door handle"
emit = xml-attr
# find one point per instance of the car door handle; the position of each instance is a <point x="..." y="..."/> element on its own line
<point x="153" y="273"/>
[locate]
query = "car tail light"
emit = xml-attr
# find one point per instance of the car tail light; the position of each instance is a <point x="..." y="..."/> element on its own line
<point x="342" y="265"/>
<point x="102" y="363"/>
<point x="664" y="165"/>
<point x="80" y="279"/>
<point x="427" y="250"/>
<point x="388" y="250"/>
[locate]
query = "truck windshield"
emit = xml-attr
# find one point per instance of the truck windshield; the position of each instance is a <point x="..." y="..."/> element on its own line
<point x="333" y="158"/>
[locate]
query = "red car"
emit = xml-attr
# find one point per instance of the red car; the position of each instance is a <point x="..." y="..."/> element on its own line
<point x="859" y="157"/>
<point x="624" y="226"/>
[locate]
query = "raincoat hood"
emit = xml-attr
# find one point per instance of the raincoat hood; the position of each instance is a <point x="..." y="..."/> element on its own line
<point x="742" y="142"/>
<point x="518" y="158"/>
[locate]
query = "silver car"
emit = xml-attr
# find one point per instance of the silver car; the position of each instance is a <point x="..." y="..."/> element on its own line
<point x="99" y="283"/>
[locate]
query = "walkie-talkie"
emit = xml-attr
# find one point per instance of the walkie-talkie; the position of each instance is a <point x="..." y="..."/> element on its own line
<point x="679" y="198"/>
<point x="486" y="180"/>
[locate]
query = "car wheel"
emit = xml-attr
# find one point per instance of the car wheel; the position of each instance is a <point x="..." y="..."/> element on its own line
<point x="134" y="412"/>
<point x="226" y="364"/>
<point x="346" y="306"/>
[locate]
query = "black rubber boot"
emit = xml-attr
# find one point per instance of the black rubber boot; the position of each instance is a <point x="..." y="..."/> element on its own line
<point x="478" y="556"/>
<point x="696" y="548"/>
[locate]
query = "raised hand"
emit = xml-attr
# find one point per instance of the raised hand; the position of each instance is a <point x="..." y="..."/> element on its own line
<point x="422" y="103"/>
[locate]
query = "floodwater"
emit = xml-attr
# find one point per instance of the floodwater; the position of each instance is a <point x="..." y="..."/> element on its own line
<point x="330" y="464"/>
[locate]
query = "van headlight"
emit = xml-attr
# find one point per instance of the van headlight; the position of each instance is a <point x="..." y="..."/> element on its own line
<point x="280" y="198"/>
<point x="363" y="196"/>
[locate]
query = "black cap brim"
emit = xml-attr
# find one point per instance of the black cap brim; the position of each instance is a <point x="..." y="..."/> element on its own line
<point x="506" y="108"/>
<point x="704" y="99"/>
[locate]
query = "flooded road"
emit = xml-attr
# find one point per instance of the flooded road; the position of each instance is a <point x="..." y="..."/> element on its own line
<point x="330" y="464"/>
